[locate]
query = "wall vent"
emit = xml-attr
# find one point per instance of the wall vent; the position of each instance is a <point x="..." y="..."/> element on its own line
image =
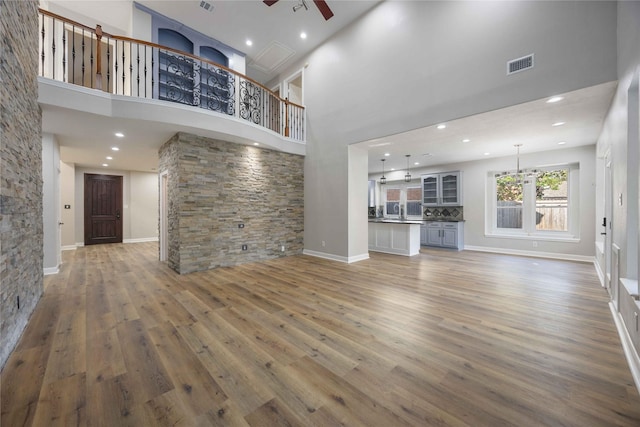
<point x="520" y="64"/>
<point x="206" y="6"/>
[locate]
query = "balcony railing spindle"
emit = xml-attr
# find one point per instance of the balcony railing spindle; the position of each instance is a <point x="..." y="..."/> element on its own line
<point x="83" y="52"/>
<point x="73" y="54"/>
<point x="42" y="55"/>
<point x="64" y="51"/>
<point x="108" y="62"/>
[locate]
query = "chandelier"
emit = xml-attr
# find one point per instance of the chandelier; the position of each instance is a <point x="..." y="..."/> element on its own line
<point x="521" y="176"/>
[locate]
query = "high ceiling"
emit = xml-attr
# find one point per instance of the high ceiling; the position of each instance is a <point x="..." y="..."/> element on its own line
<point x="233" y="22"/>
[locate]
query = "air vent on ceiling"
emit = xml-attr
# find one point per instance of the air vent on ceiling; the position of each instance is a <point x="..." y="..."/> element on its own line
<point x="206" y="6"/>
<point x="520" y="64"/>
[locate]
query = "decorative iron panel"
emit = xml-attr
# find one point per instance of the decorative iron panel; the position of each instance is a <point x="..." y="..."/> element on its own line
<point x="250" y="101"/>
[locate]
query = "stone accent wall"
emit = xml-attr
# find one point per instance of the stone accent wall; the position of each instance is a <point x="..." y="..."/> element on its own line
<point x="20" y="171"/>
<point x="215" y="186"/>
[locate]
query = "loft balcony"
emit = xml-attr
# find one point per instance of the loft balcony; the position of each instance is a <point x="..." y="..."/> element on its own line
<point x="85" y="69"/>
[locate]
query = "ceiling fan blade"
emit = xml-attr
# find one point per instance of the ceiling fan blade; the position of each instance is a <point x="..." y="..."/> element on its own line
<point x="324" y="9"/>
<point x="270" y="2"/>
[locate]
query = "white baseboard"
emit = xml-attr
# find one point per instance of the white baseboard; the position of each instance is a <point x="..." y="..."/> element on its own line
<point x="333" y="257"/>
<point x="600" y="273"/>
<point x="627" y="346"/>
<point x="552" y="255"/>
<point x="69" y="247"/>
<point x="51" y="270"/>
<point x="141" y="240"/>
<point x="357" y="258"/>
<point x="79" y="244"/>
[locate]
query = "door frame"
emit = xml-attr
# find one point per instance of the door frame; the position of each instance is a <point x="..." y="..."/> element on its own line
<point x="164" y="217"/>
<point x="608" y="212"/>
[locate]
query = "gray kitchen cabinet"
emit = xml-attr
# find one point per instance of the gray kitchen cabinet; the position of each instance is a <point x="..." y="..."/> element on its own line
<point x="441" y="189"/>
<point x="445" y="234"/>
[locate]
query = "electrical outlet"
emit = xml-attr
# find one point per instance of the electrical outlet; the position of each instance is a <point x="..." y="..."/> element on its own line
<point x="282" y="248"/>
<point x="244" y="247"/>
<point x="323" y="243"/>
<point x="535" y="244"/>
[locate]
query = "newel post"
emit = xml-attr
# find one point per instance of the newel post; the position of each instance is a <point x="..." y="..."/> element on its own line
<point x="286" y="117"/>
<point x="98" y="84"/>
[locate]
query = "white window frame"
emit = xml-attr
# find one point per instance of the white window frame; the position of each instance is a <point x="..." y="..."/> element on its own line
<point x="403" y="199"/>
<point x="419" y="201"/>
<point x="384" y="192"/>
<point x="528" y="230"/>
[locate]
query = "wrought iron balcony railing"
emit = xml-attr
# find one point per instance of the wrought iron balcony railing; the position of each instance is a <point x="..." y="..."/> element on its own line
<point x="74" y="53"/>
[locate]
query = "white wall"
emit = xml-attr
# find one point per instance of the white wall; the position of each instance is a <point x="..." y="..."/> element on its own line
<point x="453" y="59"/>
<point x="50" y="203"/>
<point x="143" y="205"/>
<point x="139" y="205"/>
<point x="67" y="197"/>
<point x="614" y="136"/>
<point x="358" y="201"/>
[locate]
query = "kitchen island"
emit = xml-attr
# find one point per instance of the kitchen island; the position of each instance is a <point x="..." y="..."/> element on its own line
<point x="394" y="236"/>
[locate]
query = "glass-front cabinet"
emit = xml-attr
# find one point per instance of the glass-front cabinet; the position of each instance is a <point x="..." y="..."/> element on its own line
<point x="441" y="189"/>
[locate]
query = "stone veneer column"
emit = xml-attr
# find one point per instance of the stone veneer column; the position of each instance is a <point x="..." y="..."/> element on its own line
<point x="20" y="171"/>
<point x="215" y="186"/>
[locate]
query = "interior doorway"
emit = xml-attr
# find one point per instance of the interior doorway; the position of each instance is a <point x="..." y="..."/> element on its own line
<point x="293" y="87"/>
<point x="102" y="209"/>
<point x="164" y="215"/>
<point x="606" y="222"/>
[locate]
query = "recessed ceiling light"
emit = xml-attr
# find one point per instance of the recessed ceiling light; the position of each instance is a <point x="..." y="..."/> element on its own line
<point x="558" y="124"/>
<point x="387" y="154"/>
<point x="256" y="144"/>
<point x="249" y="42"/>
<point x="303" y="35"/>
<point x="393" y="169"/>
<point x="427" y="154"/>
<point x="554" y="99"/>
<point x="486" y="154"/>
<point x="119" y="134"/>
<point x="105" y="165"/>
<point x="466" y="140"/>
<point x="115" y="148"/>
<point x="109" y="158"/>
<point x="442" y="126"/>
<point x="416" y="163"/>
<point x="562" y="142"/>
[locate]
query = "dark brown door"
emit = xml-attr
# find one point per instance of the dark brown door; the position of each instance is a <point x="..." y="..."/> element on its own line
<point x="102" y="209"/>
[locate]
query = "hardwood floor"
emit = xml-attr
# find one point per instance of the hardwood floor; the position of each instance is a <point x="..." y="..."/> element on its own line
<point x="443" y="338"/>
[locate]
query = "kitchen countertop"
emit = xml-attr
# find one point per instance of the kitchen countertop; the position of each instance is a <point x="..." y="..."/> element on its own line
<point x="395" y="221"/>
<point x="412" y="221"/>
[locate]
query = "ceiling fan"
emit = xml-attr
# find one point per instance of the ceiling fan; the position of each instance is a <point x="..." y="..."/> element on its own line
<point x="322" y="6"/>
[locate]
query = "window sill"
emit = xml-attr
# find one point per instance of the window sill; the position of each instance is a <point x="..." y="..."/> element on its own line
<point x="538" y="237"/>
<point x="631" y="285"/>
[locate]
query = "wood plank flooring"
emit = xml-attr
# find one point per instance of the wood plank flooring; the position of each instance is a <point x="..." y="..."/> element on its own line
<point x="440" y="339"/>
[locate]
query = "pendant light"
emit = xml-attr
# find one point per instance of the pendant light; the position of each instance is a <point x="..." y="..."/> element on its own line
<point x="383" y="180"/>
<point x="521" y="176"/>
<point x="407" y="177"/>
<point x="518" y="176"/>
